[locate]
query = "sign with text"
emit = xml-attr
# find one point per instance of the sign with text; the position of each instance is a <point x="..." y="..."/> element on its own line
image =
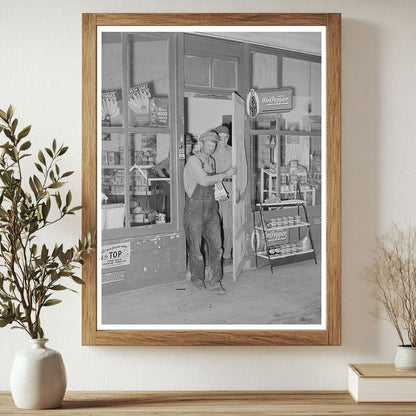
<point x="115" y="255"/>
<point x="276" y="100"/>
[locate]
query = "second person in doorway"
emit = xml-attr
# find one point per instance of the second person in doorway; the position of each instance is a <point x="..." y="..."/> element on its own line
<point x="223" y="160"/>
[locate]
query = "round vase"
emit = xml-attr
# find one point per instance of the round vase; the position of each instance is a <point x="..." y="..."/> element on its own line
<point x="405" y="358"/>
<point x="38" y="377"/>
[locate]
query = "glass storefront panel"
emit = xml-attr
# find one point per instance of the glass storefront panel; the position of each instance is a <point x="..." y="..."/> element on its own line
<point x="112" y="80"/>
<point x="149" y="179"/>
<point x="113" y="181"/>
<point x="148" y="80"/>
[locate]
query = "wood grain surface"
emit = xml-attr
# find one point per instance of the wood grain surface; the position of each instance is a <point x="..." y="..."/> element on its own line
<point x="212" y="403"/>
<point x="332" y="334"/>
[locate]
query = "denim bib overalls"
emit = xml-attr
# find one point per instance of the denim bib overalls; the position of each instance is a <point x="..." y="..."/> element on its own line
<point x="201" y="221"/>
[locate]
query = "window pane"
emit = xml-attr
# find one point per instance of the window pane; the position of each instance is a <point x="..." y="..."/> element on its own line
<point x="148" y="85"/>
<point x="113" y="181"/>
<point x="149" y="178"/>
<point x="197" y="71"/>
<point x="111" y="87"/>
<point x="224" y="74"/>
<point x="264" y="72"/>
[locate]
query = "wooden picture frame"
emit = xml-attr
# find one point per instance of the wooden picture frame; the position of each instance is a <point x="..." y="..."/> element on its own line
<point x="331" y="333"/>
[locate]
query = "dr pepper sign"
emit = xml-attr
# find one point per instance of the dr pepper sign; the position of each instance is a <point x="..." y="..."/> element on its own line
<point x="269" y="101"/>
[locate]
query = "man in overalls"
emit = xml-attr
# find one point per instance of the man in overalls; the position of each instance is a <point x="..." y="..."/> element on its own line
<point x="201" y="219"/>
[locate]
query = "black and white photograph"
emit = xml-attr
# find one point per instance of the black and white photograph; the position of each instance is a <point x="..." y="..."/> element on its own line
<point x="211" y="176"/>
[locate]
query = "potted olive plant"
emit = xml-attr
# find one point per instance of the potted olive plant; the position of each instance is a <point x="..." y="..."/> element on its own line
<point x="393" y="278"/>
<point x="33" y="272"/>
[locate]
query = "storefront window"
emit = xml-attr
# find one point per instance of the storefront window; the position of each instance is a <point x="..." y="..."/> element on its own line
<point x="136" y="135"/>
<point x="286" y="145"/>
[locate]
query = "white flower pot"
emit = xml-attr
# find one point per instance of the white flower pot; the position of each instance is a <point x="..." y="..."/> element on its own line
<point x="38" y="377"/>
<point x="405" y="358"/>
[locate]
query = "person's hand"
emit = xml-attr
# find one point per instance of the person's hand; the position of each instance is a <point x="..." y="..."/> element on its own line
<point x="232" y="170"/>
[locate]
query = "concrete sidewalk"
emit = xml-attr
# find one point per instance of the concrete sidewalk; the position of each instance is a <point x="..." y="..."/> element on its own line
<point x="291" y="295"/>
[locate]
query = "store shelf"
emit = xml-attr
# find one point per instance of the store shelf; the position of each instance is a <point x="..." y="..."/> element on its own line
<point x="144" y="193"/>
<point x="282" y="203"/>
<point x="260" y="132"/>
<point x="269" y="237"/>
<point x="158" y="179"/>
<point x="264" y="255"/>
<point x="283" y="227"/>
<point x="122" y="167"/>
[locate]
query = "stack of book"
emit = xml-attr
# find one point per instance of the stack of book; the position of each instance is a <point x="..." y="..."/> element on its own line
<point x="381" y="383"/>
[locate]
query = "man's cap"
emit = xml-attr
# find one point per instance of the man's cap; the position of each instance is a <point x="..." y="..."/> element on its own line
<point x="209" y="135"/>
<point x="222" y="129"/>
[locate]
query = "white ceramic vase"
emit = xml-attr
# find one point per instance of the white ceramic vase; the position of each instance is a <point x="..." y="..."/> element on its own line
<point x="405" y="358"/>
<point x="38" y="377"/>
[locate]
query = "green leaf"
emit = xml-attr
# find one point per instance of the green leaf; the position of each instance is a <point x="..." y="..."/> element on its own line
<point x="8" y="133"/>
<point x="67" y="174"/>
<point x="14" y="125"/>
<point x="5" y="321"/>
<point x="39" y="167"/>
<point x="59" y="287"/>
<point x="10" y="112"/>
<point x="54" y="145"/>
<point x="77" y="280"/>
<point x="40" y="331"/>
<point x="24" y="132"/>
<point x="58" y="199"/>
<point x="77" y="208"/>
<point x="33" y="187"/>
<point x="34" y="249"/>
<point x="51" y="302"/>
<point x="49" y="152"/>
<point x="68" y="198"/>
<point x="37" y="182"/>
<point x="63" y="150"/>
<point x="3" y="115"/>
<point x="44" y="253"/>
<point x="41" y="157"/>
<point x="45" y="211"/>
<point x="56" y="185"/>
<point x="25" y="145"/>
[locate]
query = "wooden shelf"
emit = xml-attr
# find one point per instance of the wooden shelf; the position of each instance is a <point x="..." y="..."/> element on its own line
<point x="180" y="403"/>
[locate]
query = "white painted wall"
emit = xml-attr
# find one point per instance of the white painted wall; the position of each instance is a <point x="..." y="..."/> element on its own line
<point x="40" y="73"/>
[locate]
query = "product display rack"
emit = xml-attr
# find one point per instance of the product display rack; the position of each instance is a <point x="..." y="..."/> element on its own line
<point x="287" y="253"/>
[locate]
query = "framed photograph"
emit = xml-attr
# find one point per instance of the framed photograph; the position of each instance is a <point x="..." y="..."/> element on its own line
<point x="211" y="172"/>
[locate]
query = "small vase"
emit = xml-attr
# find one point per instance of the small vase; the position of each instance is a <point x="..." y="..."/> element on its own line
<point x="405" y="358"/>
<point x="38" y="377"/>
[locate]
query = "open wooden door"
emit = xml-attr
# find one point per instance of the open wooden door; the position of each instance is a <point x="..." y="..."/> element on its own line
<point x="239" y="186"/>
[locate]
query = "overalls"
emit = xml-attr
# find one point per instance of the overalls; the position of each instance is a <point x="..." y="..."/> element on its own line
<point x="201" y="221"/>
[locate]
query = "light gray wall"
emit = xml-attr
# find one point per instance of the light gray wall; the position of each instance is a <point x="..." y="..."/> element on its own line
<point x="40" y="73"/>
